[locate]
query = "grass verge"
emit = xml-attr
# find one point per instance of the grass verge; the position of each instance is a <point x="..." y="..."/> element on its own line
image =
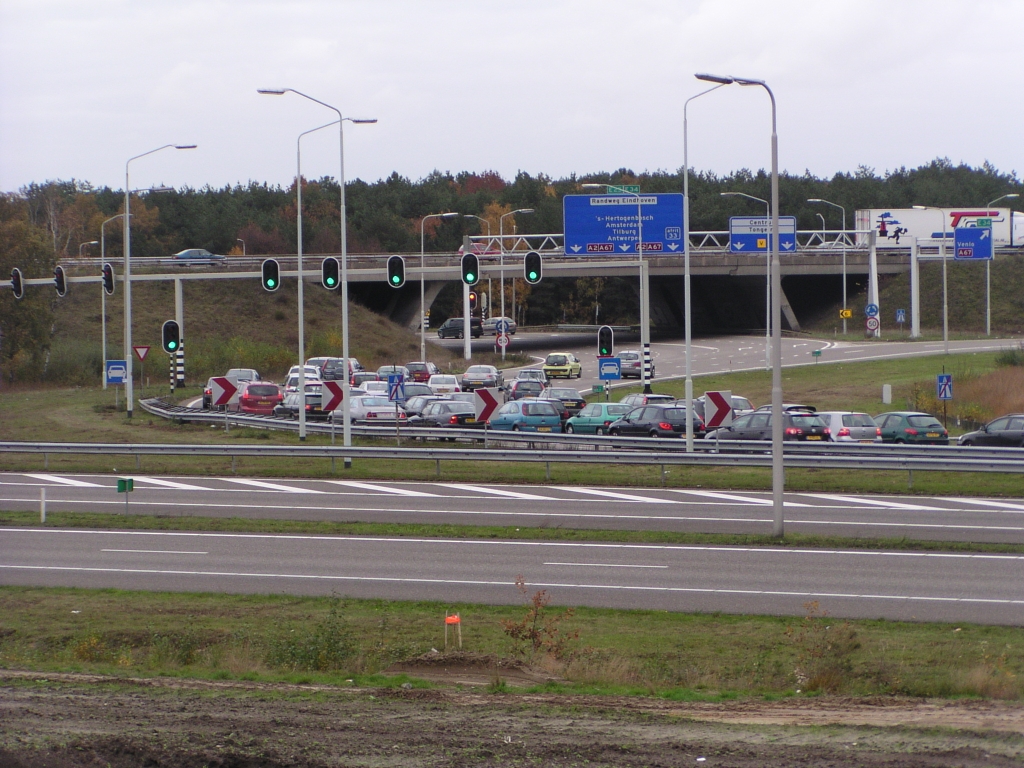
<point x="655" y="653"/>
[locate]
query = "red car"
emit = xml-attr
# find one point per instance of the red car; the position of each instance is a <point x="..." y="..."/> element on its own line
<point x="422" y="371"/>
<point x="259" y="397"/>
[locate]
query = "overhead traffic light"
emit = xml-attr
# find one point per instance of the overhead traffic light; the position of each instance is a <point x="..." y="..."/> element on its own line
<point x="396" y="271"/>
<point x="271" y="275"/>
<point x="60" y="280"/>
<point x="171" y="336"/>
<point x="108" y="279"/>
<point x="605" y="341"/>
<point x="330" y="273"/>
<point x="470" y="268"/>
<point x="472" y="301"/>
<point x="532" y="268"/>
<point x="16" y="284"/>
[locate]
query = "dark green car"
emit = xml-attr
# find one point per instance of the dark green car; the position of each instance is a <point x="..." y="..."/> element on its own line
<point x="911" y="427"/>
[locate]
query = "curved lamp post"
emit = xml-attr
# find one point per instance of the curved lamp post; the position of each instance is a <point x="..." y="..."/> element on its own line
<point x="841" y="208"/>
<point x="346" y="381"/>
<point x="423" y="301"/>
<point x="988" y="269"/>
<point x="778" y="476"/>
<point x="501" y="259"/>
<point x="128" y="391"/>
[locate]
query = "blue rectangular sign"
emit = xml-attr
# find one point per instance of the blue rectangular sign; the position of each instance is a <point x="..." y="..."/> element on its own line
<point x="607" y="224"/>
<point x="972" y="243"/>
<point x="117" y="371"/>
<point x="609" y="368"/>
<point x="752" y="234"/>
<point x="944" y="386"/>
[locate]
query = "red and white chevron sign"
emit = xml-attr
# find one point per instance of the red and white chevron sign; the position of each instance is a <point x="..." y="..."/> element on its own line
<point x="717" y="409"/>
<point x="486" y="402"/>
<point x="334" y="394"/>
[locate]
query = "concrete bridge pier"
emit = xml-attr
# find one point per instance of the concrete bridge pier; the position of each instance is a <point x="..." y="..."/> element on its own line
<point x="718" y="302"/>
<point x="404" y="307"/>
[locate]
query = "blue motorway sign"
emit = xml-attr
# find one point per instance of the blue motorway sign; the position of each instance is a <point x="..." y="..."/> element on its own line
<point x="901" y="315"/>
<point x="396" y="386"/>
<point x="751" y="234"/>
<point x="973" y="243"/>
<point x="944" y="386"/>
<point x="117" y="371"/>
<point x="607" y="224"/>
<point x="609" y="368"/>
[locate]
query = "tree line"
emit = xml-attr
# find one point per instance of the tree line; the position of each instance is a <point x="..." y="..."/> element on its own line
<point x="46" y="222"/>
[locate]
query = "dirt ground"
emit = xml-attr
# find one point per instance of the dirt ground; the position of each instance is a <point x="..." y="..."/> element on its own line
<point x="64" y="721"/>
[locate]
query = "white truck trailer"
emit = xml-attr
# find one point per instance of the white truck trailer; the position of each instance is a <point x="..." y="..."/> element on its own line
<point x="895" y="226"/>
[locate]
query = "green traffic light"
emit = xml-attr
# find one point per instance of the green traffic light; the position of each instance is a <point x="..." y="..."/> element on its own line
<point x="396" y="279"/>
<point x="270" y="282"/>
<point x="330" y="281"/>
<point x="470" y="277"/>
<point x="533" y="275"/>
<point x="172" y="344"/>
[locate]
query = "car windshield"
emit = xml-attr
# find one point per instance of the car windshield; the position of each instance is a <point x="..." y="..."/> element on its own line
<point x="375" y="401"/>
<point x="674" y="413"/>
<point x="436" y="379"/>
<point x="925" y="422"/>
<point x="262" y="390"/>
<point x="530" y="386"/>
<point x="617" y="410"/>
<point x="555" y="360"/>
<point x="479" y="370"/>
<point x="567" y="393"/>
<point x="629" y="356"/>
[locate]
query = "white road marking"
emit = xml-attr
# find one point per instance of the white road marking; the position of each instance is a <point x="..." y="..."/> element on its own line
<point x="499" y="492"/>
<point x="170" y="484"/>
<point x="268" y="486"/>
<point x="488" y="583"/>
<point x="734" y="497"/>
<point x="613" y="495"/>
<point x="65" y="481"/>
<point x="157" y="551"/>
<point x="874" y="502"/>
<point x="989" y="503"/>
<point x="382" y="488"/>
<point x="607" y="565"/>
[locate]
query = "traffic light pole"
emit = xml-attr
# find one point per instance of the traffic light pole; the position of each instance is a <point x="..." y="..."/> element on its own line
<point x="178" y="364"/>
<point x="467" y="324"/>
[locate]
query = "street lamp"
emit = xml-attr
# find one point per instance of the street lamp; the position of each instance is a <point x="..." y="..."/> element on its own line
<point x="240" y="240"/>
<point x="841" y="208"/>
<point x="942" y="253"/>
<point x="988" y="269"/>
<point x="423" y="301"/>
<point x="686" y="266"/>
<point x="778" y="476"/>
<point x="501" y="261"/>
<point x="645" y="340"/>
<point x="301" y="295"/>
<point x="81" y="246"/>
<point x="767" y="282"/>
<point x="346" y="381"/>
<point x="128" y="391"/>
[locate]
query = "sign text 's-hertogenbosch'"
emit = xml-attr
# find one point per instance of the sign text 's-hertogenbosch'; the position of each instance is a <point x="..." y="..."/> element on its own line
<point x="608" y="223"/>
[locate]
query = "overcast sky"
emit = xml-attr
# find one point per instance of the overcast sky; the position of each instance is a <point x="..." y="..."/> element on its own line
<point x="544" y="86"/>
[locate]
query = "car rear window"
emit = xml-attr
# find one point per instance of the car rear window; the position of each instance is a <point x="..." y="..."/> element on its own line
<point x="539" y="409"/>
<point x="616" y="410"/>
<point x="263" y="390"/>
<point x="806" y="421"/>
<point x="675" y="413"/>
<point x="926" y="422"/>
<point x="555" y="360"/>
<point x="857" y="420"/>
<point x="629" y="356"/>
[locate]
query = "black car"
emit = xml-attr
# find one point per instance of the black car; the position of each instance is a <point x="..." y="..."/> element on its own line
<point x="1005" y="431"/>
<point x="452" y="328"/>
<point x="446" y="413"/>
<point x="570" y="398"/>
<point x="520" y="388"/>
<point x="656" y="421"/>
<point x="798" y="425"/>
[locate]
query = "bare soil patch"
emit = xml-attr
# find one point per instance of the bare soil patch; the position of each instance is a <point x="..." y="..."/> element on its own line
<point x="74" y="721"/>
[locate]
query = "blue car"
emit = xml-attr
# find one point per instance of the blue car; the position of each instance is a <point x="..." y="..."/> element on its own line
<point x="526" y="415"/>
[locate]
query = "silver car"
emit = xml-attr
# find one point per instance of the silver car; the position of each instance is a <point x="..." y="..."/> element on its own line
<point x="851" y="427"/>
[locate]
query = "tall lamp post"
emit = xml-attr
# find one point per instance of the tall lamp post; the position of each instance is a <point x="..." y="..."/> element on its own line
<point x="346" y="381"/>
<point x="501" y="260"/>
<point x="767" y="282"/>
<point x="423" y="300"/>
<point x="240" y="240"/>
<point x="301" y="298"/>
<point x="128" y="391"/>
<point x="103" y="293"/>
<point x="686" y="266"/>
<point x="82" y="246"/>
<point x="988" y="269"/>
<point x="778" y="475"/>
<point x="841" y="208"/>
<point x="942" y="253"/>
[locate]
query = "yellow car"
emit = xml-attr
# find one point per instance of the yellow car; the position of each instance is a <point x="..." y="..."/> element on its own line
<point x="564" y="364"/>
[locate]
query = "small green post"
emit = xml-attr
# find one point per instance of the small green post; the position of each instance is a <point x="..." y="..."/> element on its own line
<point x="125" y="485"/>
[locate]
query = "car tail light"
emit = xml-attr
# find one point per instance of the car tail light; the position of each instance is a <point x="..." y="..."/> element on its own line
<point x="607" y="423"/>
<point x="878" y="431"/>
<point x="828" y="431"/>
<point x="910" y="431"/>
<point x="844" y="432"/>
<point x="664" y="425"/>
<point x="794" y="431"/>
<point x="453" y="420"/>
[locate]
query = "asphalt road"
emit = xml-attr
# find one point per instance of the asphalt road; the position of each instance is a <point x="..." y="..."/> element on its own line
<point x="686" y="510"/>
<point x="864" y="584"/>
<point x="885" y="584"/>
